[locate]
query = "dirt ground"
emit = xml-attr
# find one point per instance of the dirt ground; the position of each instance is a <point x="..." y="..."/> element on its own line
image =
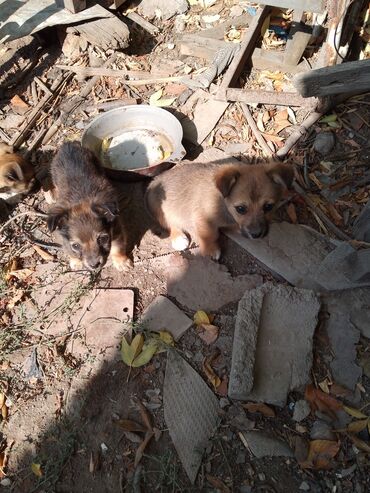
<point x="65" y="384"/>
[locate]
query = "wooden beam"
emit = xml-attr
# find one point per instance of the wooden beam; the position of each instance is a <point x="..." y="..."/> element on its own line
<point x="73" y="6"/>
<point x="246" y="48"/>
<point x="316" y="6"/>
<point x="268" y="97"/>
<point x="299" y="36"/>
<point x="338" y="79"/>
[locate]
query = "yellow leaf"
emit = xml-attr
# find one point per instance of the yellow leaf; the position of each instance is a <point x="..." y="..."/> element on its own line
<point x="166" y="337"/>
<point x="357" y="426"/>
<point x="360" y="444"/>
<point x="164" y="102"/>
<point x="2" y="399"/>
<point x="4" y="412"/>
<point x="36" y="469"/>
<point x="130" y="351"/>
<point x="146" y="354"/>
<point x="155" y="97"/>
<point x="201" y="317"/>
<point x="354" y="412"/>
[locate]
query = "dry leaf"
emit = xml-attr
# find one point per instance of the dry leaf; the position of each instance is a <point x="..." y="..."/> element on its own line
<point x="218" y="484"/>
<point x="272" y="75"/>
<point x="357" y="426"/>
<point x="129" y="425"/>
<point x="18" y="102"/>
<point x="222" y="389"/>
<point x="360" y="444"/>
<point x="166" y="337"/>
<point x="148" y="351"/>
<point x="260" y="125"/>
<point x="4" y="412"/>
<point x="281" y="125"/>
<point x="320" y="454"/>
<point x="322" y="402"/>
<point x="266" y="117"/>
<point x="200" y="317"/>
<point x="155" y="99"/>
<point x="2" y="465"/>
<point x="328" y="118"/>
<point x="145" y="416"/>
<point x="324" y="386"/>
<point x="292" y="213"/>
<point x="208" y="370"/>
<point x="354" y="412"/>
<point x="260" y="407"/>
<point x="272" y="138"/>
<point x="130" y="351"/>
<point x="209" y="333"/>
<point x="142" y="447"/>
<point x="36" y="469"/>
<point x="43" y="254"/>
<point x="281" y="115"/>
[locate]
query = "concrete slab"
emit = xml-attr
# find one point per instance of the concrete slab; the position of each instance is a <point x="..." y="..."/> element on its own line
<point x="244" y="344"/>
<point x="200" y="283"/>
<point x="162" y="314"/>
<point x="190" y="411"/>
<point x="283" y="354"/>
<point x="262" y="445"/>
<point x="206" y="116"/>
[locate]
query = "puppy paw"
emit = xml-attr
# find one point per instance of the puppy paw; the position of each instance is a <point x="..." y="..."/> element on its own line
<point x="180" y="243"/>
<point x="75" y="264"/>
<point x="216" y="255"/>
<point x="209" y="251"/>
<point x="122" y="263"/>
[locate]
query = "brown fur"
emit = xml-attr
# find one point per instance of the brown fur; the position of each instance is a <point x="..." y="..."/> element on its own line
<point x="200" y="199"/>
<point x="86" y="214"/>
<point x="16" y="174"/>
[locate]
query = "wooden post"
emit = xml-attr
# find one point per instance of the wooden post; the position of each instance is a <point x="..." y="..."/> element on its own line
<point x="73" y="6"/>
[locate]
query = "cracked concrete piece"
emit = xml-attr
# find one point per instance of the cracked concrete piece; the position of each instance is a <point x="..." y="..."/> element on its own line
<point x="162" y="314"/>
<point x="206" y="116"/>
<point x="190" y="411"/>
<point x="104" y="317"/>
<point x="201" y="283"/>
<point x="301" y="410"/>
<point x="244" y="345"/>
<point x="296" y="261"/>
<point x="163" y="8"/>
<point x="262" y="445"/>
<point x="283" y="354"/>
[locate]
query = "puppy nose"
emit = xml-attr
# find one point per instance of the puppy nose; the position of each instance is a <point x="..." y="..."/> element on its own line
<point x="95" y="264"/>
<point x="256" y="234"/>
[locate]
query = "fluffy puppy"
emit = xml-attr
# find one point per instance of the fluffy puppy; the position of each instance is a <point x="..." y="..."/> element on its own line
<point x="86" y="214"/>
<point x="200" y="199"/>
<point x="16" y="174"/>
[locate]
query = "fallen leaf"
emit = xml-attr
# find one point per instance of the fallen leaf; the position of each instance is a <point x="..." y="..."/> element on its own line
<point x="145" y="416"/>
<point x="328" y="118"/>
<point x="2" y="465"/>
<point x="272" y="75"/>
<point x="354" y="412"/>
<point x="322" y="402"/>
<point x="357" y="426"/>
<point x="4" y="412"/>
<point x="209" y="333"/>
<point x="222" y="389"/>
<point x="148" y="351"/>
<point x="360" y="444"/>
<point x="218" y="484"/>
<point x="21" y="274"/>
<point x="320" y="454"/>
<point x="281" y="115"/>
<point x="200" y="317"/>
<point x="259" y="122"/>
<point x="324" y="386"/>
<point x="292" y="213"/>
<point x="129" y="425"/>
<point x="272" y="138"/>
<point x="166" y="337"/>
<point x="36" y="469"/>
<point x="130" y="351"/>
<point x="141" y="448"/>
<point x="209" y="371"/>
<point x="260" y="407"/>
<point x="266" y="117"/>
<point x="43" y="254"/>
<point x="292" y="117"/>
<point x="281" y="125"/>
<point x="18" y="102"/>
<point x="155" y="99"/>
<point x="339" y="391"/>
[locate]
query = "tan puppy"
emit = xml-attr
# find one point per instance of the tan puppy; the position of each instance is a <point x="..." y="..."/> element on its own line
<point x="200" y="199"/>
<point x="16" y="174"/>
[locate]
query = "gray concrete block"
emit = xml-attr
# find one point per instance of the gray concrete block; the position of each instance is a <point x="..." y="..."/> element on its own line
<point x="262" y="445"/>
<point x="162" y="314"/>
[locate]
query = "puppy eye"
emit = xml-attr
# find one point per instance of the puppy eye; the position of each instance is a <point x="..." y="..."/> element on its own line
<point x="241" y="209"/>
<point x="103" y="239"/>
<point x="268" y="207"/>
<point x="76" y="247"/>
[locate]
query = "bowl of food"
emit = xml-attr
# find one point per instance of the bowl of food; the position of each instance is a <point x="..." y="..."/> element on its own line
<point x="135" y="141"/>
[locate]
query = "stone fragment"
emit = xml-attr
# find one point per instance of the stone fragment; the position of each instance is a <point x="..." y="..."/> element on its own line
<point x="321" y="431"/>
<point x="262" y="445"/>
<point x="162" y="8"/>
<point x="162" y="314"/>
<point x="199" y="283"/>
<point x="190" y="410"/>
<point x="324" y="142"/>
<point x="245" y="342"/>
<point x="283" y="357"/>
<point x="301" y="410"/>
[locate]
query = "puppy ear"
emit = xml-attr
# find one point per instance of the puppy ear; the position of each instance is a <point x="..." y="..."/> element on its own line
<point x="226" y="178"/>
<point x="56" y="218"/>
<point x="109" y="212"/>
<point x="15" y="172"/>
<point x="282" y="174"/>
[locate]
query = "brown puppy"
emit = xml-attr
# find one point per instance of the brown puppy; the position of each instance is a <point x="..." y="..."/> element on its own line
<point x="199" y="199"/>
<point x="16" y="174"/>
<point x="86" y="214"/>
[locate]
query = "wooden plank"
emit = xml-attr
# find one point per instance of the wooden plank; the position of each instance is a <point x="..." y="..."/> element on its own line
<point x="338" y="79"/>
<point x="199" y="46"/>
<point x="299" y="36"/>
<point x="73" y="6"/>
<point x="246" y="48"/>
<point x="268" y="97"/>
<point x="316" y="6"/>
